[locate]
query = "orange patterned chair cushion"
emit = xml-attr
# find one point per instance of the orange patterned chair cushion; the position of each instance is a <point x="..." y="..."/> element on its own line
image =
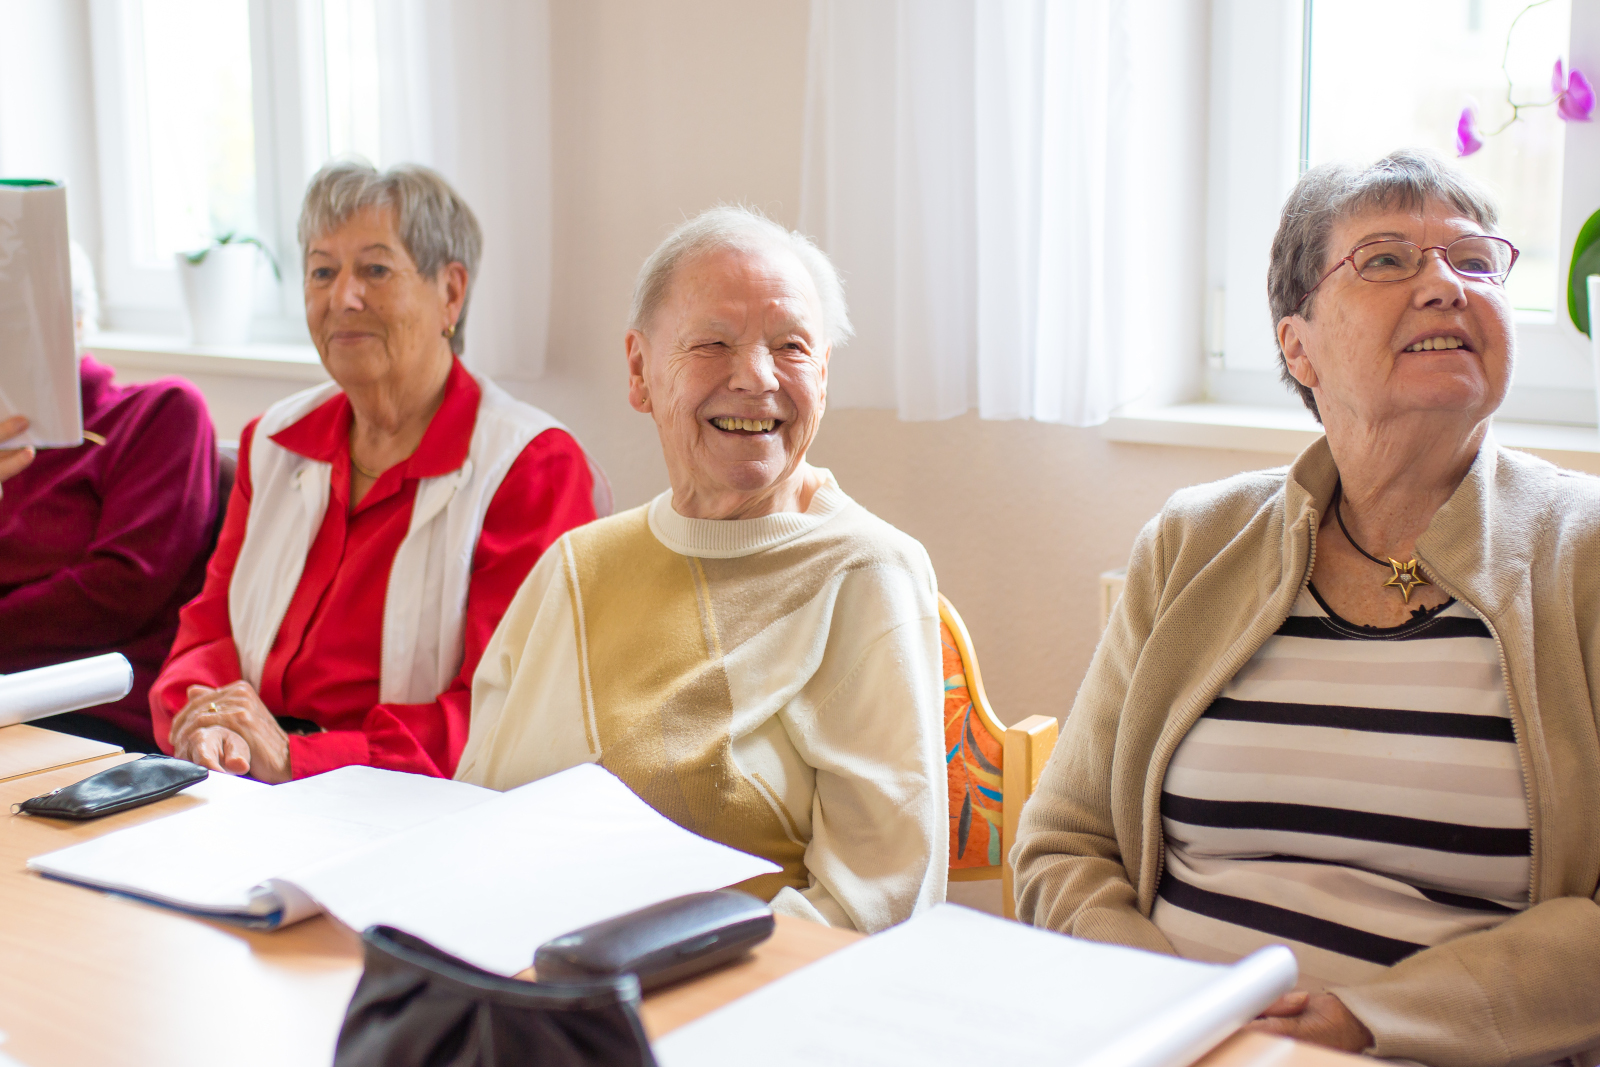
<point x="972" y="761"/>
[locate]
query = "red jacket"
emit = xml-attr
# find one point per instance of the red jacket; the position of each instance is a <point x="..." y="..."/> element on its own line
<point x="324" y="664"/>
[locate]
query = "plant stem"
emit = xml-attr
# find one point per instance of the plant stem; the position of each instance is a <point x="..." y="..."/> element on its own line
<point x="1505" y="59"/>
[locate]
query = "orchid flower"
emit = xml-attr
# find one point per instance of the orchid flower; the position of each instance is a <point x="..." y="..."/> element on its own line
<point x="1574" y="94"/>
<point x="1467" y="139"/>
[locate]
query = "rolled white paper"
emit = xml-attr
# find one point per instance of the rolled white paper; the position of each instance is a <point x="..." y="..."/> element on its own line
<point x="82" y="683"/>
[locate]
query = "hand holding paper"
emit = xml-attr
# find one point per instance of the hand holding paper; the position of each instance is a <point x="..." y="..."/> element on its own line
<point x="13" y="460"/>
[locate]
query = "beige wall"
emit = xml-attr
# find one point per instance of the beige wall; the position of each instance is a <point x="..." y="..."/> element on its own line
<point x="664" y="108"/>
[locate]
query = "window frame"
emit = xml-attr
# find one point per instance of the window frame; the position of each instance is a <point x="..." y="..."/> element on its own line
<point x="286" y="88"/>
<point x="1249" y="176"/>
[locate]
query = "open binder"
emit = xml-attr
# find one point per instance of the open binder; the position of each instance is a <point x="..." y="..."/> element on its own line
<point x="482" y="875"/>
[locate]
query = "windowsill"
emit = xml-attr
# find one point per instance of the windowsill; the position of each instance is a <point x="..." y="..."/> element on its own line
<point x="175" y="355"/>
<point x="1287" y="431"/>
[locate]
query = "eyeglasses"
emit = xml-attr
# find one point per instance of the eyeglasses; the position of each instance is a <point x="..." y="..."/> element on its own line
<point x="1475" y="258"/>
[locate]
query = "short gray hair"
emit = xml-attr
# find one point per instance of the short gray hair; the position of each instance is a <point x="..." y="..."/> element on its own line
<point x="434" y="223"/>
<point x="744" y="229"/>
<point x="1326" y="195"/>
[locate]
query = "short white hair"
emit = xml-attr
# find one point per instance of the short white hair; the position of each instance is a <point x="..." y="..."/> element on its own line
<point x="732" y="226"/>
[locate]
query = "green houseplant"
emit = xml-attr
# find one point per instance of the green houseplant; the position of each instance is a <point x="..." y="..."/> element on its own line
<point x="1585" y="261"/>
<point x="219" y="288"/>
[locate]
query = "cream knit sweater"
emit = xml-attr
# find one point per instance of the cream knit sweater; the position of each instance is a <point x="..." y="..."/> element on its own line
<point x="773" y="683"/>
<point x="1210" y="579"/>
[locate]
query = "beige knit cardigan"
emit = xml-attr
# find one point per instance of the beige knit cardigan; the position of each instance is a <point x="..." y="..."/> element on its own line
<point x="1210" y="579"/>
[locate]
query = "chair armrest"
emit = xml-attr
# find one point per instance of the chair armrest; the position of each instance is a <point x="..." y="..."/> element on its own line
<point x="1028" y="745"/>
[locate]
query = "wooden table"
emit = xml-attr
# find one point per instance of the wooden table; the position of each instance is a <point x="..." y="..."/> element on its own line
<point x="28" y="749"/>
<point x="90" y="979"/>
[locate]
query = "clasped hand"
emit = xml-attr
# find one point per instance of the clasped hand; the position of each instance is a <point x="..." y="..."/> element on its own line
<point x="1320" y="1018"/>
<point x="230" y="730"/>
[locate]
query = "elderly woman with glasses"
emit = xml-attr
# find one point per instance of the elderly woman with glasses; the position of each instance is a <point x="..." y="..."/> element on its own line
<point x="379" y="524"/>
<point x="1346" y="705"/>
<point x="754" y="653"/>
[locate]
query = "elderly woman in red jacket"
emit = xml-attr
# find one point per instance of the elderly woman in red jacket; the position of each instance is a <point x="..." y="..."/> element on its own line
<point x="380" y="524"/>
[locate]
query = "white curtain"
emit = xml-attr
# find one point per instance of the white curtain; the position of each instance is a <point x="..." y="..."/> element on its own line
<point x="465" y="89"/>
<point x="1006" y="186"/>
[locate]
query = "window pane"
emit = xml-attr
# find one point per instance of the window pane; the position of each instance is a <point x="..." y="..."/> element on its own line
<point x="199" y="144"/>
<point x="1389" y="74"/>
<point x="350" y="42"/>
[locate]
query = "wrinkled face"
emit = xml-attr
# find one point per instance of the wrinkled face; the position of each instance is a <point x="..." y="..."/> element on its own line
<point x="1373" y="351"/>
<point x="734" y="369"/>
<point x="372" y="315"/>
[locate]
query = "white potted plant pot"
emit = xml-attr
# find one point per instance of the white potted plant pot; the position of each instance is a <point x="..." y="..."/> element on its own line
<point x="219" y="293"/>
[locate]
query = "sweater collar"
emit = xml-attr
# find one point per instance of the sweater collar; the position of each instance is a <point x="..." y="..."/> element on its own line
<point x="323" y="434"/>
<point x="729" y="538"/>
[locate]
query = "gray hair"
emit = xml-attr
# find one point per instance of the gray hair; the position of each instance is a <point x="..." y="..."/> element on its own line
<point x="744" y="229"/>
<point x="1326" y="195"/>
<point x="434" y="223"/>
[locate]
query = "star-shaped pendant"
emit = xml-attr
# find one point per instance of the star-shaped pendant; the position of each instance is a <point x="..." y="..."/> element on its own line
<point x="1405" y="577"/>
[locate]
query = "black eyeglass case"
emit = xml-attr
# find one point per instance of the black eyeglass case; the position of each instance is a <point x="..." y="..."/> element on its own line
<point x="127" y="785"/>
<point x="661" y="944"/>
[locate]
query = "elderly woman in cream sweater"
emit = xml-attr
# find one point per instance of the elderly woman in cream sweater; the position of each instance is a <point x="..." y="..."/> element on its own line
<point x="1346" y="705"/>
<point x="753" y="653"/>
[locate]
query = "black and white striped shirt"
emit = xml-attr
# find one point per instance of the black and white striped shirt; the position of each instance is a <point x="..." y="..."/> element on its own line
<point x="1354" y="793"/>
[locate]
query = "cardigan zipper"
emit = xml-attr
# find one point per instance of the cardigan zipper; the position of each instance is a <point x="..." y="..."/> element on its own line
<point x="1523" y="756"/>
<point x="1166" y="758"/>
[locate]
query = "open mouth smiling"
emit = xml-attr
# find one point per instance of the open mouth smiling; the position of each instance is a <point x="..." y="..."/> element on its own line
<point x="745" y="427"/>
<point x="1438" y="343"/>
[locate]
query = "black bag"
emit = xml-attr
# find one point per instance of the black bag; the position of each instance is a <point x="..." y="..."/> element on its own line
<point x="418" y="1007"/>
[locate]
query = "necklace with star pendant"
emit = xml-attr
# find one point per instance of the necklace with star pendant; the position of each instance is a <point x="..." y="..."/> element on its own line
<point x="1404" y="577"/>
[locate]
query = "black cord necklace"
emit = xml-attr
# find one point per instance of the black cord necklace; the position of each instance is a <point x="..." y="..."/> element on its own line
<point x="1405" y="577"/>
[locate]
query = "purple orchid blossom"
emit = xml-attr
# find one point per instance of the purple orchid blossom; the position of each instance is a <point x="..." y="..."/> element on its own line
<point x="1574" y="94"/>
<point x="1467" y="139"/>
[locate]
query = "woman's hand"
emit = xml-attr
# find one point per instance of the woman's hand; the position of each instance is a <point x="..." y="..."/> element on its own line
<point x="1319" y="1018"/>
<point x="13" y="460"/>
<point x="230" y="730"/>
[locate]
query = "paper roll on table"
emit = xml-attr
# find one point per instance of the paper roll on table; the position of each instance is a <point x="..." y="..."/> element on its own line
<point x="82" y="683"/>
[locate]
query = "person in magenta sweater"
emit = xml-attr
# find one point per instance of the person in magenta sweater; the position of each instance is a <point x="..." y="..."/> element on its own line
<point x="102" y="544"/>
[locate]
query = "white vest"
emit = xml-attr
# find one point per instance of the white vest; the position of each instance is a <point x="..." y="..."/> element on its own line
<point x="424" y="609"/>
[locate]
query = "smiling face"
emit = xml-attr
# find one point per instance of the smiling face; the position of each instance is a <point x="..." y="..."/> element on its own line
<point x="1435" y="344"/>
<point x="373" y="317"/>
<point x="733" y="367"/>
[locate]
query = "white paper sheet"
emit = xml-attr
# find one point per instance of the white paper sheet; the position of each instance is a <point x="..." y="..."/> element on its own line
<point x="38" y="352"/>
<point x="82" y="683"/>
<point x="209" y="859"/>
<point x="958" y="987"/>
<point x="492" y="884"/>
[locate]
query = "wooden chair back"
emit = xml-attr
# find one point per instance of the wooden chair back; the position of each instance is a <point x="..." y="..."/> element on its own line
<point x="992" y="769"/>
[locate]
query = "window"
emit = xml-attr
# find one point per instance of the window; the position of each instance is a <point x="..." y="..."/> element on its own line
<point x="1354" y="79"/>
<point x="212" y="114"/>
